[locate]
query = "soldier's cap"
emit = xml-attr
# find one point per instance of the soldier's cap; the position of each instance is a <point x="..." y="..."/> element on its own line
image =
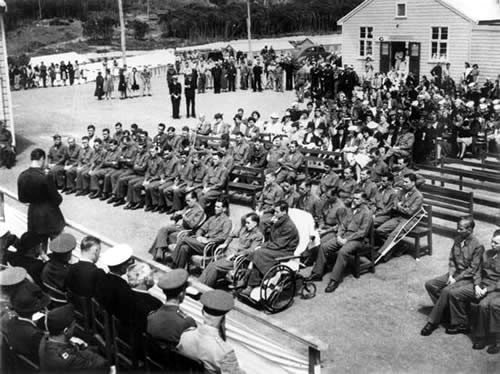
<point x="117" y="255"/>
<point x="28" y="241"/>
<point x="217" y="302"/>
<point x="29" y="299"/>
<point x="275" y="115"/>
<point x="63" y="243"/>
<point x="12" y="275"/>
<point x="56" y="136"/>
<point x="60" y="318"/>
<point x="218" y="115"/>
<point x="173" y="279"/>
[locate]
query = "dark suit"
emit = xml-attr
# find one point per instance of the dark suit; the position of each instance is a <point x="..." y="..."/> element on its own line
<point x="145" y="304"/>
<point x="54" y="274"/>
<point x="24" y="337"/>
<point x="168" y="323"/>
<point x="82" y="278"/>
<point x="115" y="295"/>
<point x="189" y="92"/>
<point x="175" y="97"/>
<point x="38" y="189"/>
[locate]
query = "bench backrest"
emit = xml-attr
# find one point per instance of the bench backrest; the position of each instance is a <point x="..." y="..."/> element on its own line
<point x="447" y="198"/>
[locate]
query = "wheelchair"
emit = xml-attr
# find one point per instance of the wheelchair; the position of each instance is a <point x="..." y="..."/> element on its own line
<point x="282" y="282"/>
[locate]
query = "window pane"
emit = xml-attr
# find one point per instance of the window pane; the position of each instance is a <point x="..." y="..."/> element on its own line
<point x="362" y="32"/>
<point x="361" y="47"/>
<point x="434" y="49"/>
<point x="369" y="49"/>
<point x="401" y="10"/>
<point x="435" y="33"/>
<point x="370" y="32"/>
<point x="443" y="49"/>
<point x="444" y="33"/>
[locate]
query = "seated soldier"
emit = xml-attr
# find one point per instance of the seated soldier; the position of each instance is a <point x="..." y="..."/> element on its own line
<point x="214" y="231"/>
<point x="329" y="180"/>
<point x="377" y="167"/>
<point x="347" y="185"/>
<point x="308" y="200"/>
<point x="401" y="169"/>
<point x="166" y="189"/>
<point x="384" y="199"/>
<point x="405" y="207"/>
<point x="187" y="219"/>
<point x="84" y="173"/>
<point x="27" y="256"/>
<point x="403" y="147"/>
<point x="271" y="194"/>
<point x="283" y="241"/>
<point x="367" y="185"/>
<point x="290" y="163"/>
<point x="109" y="164"/>
<point x="350" y="238"/>
<point x="60" y="352"/>
<point x="83" y="161"/>
<point x="463" y="266"/>
<point x="486" y="313"/>
<point x="290" y="194"/>
<point x="56" y="270"/>
<point x="214" y="182"/>
<point x="239" y="243"/>
<point x="207" y="342"/>
<point x="56" y="157"/>
<point x="168" y="322"/>
<point x="7" y="151"/>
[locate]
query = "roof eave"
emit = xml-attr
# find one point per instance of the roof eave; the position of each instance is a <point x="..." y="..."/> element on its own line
<point x="461" y="14"/>
<point x="353" y="12"/>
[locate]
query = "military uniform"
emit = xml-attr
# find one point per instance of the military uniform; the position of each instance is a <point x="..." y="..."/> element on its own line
<point x="328" y="182"/>
<point x="213" y="184"/>
<point x="369" y="188"/>
<point x="138" y="170"/>
<point x="216" y="229"/>
<point x="83" y="175"/>
<point x="377" y="169"/>
<point x="240" y="153"/>
<point x="291" y="197"/>
<point x="110" y="163"/>
<point x="194" y="180"/>
<point x="383" y="203"/>
<point x="289" y="166"/>
<point x="311" y="204"/>
<point x="73" y="152"/>
<point x="333" y="213"/>
<point x="126" y="163"/>
<point x="56" y="157"/>
<point x="464" y="265"/>
<point x="83" y="161"/>
<point x="346" y="188"/>
<point x="273" y="156"/>
<point x="271" y="194"/>
<point x="257" y="157"/>
<point x="136" y="185"/>
<point x="169" y="171"/>
<point x="167" y="193"/>
<point x="67" y="357"/>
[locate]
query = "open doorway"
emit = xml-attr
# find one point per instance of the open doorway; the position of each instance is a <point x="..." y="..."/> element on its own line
<point x="398" y="55"/>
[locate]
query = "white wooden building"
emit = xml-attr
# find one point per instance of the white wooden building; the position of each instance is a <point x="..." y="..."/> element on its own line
<point x="427" y="32"/>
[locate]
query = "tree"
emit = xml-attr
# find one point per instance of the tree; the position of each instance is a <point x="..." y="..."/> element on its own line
<point x="140" y="29"/>
<point x="100" y="28"/>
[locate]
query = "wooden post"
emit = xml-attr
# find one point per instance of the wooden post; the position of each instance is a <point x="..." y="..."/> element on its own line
<point x="122" y="32"/>
<point x="2" y="207"/>
<point x="314" y="361"/>
<point x="249" y="31"/>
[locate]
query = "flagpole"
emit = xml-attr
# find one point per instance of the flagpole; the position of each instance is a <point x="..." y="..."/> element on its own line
<point x="249" y="31"/>
<point x="122" y="32"/>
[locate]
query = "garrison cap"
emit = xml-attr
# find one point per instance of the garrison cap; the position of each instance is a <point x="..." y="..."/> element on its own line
<point x="60" y="318"/>
<point x="117" y="255"/>
<point x="12" y="275"/>
<point x="63" y="243"/>
<point x="275" y="116"/>
<point x="217" y="302"/>
<point x="56" y="136"/>
<point x="173" y="279"/>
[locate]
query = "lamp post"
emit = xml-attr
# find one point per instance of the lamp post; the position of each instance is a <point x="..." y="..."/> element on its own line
<point x="249" y="31"/>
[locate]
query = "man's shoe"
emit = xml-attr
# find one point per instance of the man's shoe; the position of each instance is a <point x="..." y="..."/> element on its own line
<point x="94" y="195"/>
<point x="428" y="329"/>
<point x="155" y="209"/>
<point x="148" y="208"/>
<point x="247" y="291"/>
<point x="162" y="209"/>
<point x="128" y="206"/>
<point x="80" y="193"/>
<point x="137" y="206"/>
<point x="314" y="278"/>
<point x="169" y="211"/>
<point x="332" y="286"/>
<point x="119" y="202"/>
<point x="493" y="349"/>
<point x="113" y="199"/>
<point x="479" y="345"/>
<point x="104" y="196"/>
<point x="457" y="329"/>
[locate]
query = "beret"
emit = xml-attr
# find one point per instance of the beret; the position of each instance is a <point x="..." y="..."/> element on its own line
<point x="173" y="279"/>
<point x="60" y="318"/>
<point x="28" y="241"/>
<point x="217" y="302"/>
<point x="63" y="243"/>
<point x="116" y="255"/>
<point x="12" y="275"/>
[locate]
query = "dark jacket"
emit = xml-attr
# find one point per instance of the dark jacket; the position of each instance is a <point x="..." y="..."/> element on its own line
<point x="38" y="189"/>
<point x="82" y="278"/>
<point x="115" y="295"/>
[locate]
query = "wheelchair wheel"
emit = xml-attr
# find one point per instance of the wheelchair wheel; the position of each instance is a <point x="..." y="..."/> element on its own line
<point x="240" y="271"/>
<point x="307" y="291"/>
<point x="277" y="289"/>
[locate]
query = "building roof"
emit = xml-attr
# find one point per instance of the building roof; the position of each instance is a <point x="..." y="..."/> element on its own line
<point x="473" y="10"/>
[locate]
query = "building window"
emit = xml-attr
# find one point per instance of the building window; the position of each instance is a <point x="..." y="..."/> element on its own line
<point x="401" y="10"/>
<point x="365" y="41"/>
<point x="439" y="44"/>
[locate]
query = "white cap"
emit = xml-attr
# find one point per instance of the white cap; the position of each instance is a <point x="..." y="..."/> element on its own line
<point x="372" y="125"/>
<point x="483" y="106"/>
<point x="496" y="101"/>
<point x="275" y="115"/>
<point x="497" y="108"/>
<point x="353" y="128"/>
<point x="116" y="255"/>
<point x="470" y="104"/>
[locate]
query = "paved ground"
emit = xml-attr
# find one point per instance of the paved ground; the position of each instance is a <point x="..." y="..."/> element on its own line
<point x="371" y="324"/>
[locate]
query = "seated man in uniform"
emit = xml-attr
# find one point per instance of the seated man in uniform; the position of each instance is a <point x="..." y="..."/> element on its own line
<point x="486" y="314"/>
<point x="7" y="152"/>
<point x="463" y="266"/>
<point x="405" y="207"/>
<point x="271" y="194"/>
<point x="60" y="353"/>
<point x="350" y="237"/>
<point x="215" y="230"/>
<point x="207" y="342"/>
<point x="248" y="238"/>
<point x="283" y="241"/>
<point x="169" y="322"/>
<point x="384" y="200"/>
<point x="187" y="219"/>
<point x="27" y="256"/>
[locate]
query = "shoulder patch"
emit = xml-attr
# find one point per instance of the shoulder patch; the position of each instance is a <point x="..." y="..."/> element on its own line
<point x="182" y="314"/>
<point x="64" y="355"/>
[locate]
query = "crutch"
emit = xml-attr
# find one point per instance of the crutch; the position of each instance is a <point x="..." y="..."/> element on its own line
<point x="403" y="231"/>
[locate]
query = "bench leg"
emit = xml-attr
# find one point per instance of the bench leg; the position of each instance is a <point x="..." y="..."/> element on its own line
<point x="357" y="266"/>
<point x="417" y="248"/>
<point x="429" y="243"/>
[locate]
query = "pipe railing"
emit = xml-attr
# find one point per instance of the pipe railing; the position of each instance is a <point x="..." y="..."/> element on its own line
<point x="314" y="346"/>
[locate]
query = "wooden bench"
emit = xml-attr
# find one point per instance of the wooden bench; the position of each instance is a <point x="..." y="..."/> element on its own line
<point x="364" y="258"/>
<point x="314" y="162"/>
<point x="448" y="204"/>
<point x="242" y="191"/>
<point x="423" y="230"/>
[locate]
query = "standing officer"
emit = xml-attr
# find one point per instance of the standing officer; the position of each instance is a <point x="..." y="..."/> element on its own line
<point x="463" y="266"/>
<point x="207" y="342"/>
<point x="169" y="322"/>
<point x="59" y="354"/>
<point x="38" y="189"/>
<point x="175" y="97"/>
<point x="189" y="92"/>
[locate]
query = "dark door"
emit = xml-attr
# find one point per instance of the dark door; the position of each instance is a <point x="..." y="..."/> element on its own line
<point x="385" y="57"/>
<point x="414" y="52"/>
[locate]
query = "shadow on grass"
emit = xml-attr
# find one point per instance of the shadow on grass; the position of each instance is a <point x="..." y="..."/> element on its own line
<point x="425" y="310"/>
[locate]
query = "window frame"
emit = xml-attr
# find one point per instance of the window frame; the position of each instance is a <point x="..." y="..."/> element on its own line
<point x="398" y="3"/>
<point x="363" y="41"/>
<point x="439" y="44"/>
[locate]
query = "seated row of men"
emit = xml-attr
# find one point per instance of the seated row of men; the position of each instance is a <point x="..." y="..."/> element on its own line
<point x="101" y="276"/>
<point x="472" y="283"/>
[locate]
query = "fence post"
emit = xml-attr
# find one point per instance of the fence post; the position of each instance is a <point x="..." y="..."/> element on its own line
<point x="2" y="207"/>
<point x="314" y="361"/>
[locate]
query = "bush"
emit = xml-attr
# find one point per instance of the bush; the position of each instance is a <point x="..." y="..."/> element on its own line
<point x="140" y="29"/>
<point x="58" y="22"/>
<point x="99" y="28"/>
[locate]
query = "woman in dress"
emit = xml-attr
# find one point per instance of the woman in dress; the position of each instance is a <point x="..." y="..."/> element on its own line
<point x="108" y="85"/>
